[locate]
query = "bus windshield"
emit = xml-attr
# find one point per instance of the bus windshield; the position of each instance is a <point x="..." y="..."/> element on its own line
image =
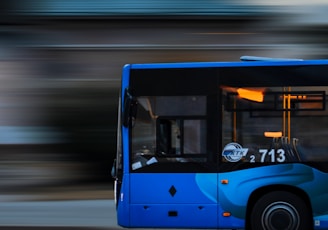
<point x="168" y="129"/>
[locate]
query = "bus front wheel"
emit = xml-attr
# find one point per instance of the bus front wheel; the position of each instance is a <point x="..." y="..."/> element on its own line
<point x="280" y="210"/>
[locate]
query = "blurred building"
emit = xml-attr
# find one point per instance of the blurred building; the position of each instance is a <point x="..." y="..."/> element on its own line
<point x="61" y="64"/>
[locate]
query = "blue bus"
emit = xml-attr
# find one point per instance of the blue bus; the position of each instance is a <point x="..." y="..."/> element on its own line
<point x="223" y="145"/>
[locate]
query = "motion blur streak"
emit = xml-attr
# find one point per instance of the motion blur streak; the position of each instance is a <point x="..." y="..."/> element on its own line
<point x="61" y="62"/>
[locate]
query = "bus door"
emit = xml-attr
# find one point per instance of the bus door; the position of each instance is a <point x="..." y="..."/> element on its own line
<point x="172" y="181"/>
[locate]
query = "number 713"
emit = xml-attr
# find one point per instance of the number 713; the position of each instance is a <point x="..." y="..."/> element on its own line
<point x="274" y="155"/>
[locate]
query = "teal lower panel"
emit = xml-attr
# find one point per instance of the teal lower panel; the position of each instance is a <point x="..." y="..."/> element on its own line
<point x="175" y="216"/>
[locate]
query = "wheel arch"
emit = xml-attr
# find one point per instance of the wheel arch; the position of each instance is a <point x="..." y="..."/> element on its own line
<point x="256" y="194"/>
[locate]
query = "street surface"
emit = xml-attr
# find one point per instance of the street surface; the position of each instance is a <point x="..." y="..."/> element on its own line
<point x="59" y="215"/>
<point x="89" y="214"/>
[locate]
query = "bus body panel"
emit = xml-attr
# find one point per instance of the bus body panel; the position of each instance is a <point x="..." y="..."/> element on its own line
<point x="301" y="176"/>
<point x="171" y="200"/>
<point x="321" y="222"/>
<point x="234" y="196"/>
<point x="209" y="183"/>
<point x="195" y="215"/>
<point x="234" y="188"/>
<point x="123" y="206"/>
<point x="229" y="222"/>
<point x="151" y="203"/>
<point x="166" y="188"/>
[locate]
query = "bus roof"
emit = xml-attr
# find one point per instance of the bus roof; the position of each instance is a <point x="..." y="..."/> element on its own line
<point x="265" y="62"/>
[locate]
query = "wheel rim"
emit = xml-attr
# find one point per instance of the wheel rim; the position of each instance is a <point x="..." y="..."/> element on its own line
<point x="280" y="215"/>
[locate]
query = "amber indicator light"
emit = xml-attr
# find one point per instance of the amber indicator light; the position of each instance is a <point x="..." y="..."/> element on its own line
<point x="226" y="214"/>
<point x="224" y="181"/>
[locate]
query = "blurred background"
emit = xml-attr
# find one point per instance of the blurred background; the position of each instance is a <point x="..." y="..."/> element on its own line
<point x="61" y="62"/>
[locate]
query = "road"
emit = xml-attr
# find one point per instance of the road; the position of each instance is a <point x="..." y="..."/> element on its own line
<point x="98" y="214"/>
<point x="77" y="214"/>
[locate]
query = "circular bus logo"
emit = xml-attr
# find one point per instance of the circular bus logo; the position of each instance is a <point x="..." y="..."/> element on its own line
<point x="233" y="152"/>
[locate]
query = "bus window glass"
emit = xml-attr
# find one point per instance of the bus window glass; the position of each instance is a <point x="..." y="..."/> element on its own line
<point x="169" y="130"/>
<point x="194" y="136"/>
<point x="276" y="124"/>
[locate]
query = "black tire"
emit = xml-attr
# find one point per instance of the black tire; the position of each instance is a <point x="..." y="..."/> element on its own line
<point x="280" y="210"/>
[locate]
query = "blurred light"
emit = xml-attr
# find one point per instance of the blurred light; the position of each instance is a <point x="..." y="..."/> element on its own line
<point x="29" y="135"/>
<point x="273" y="134"/>
<point x="251" y="95"/>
